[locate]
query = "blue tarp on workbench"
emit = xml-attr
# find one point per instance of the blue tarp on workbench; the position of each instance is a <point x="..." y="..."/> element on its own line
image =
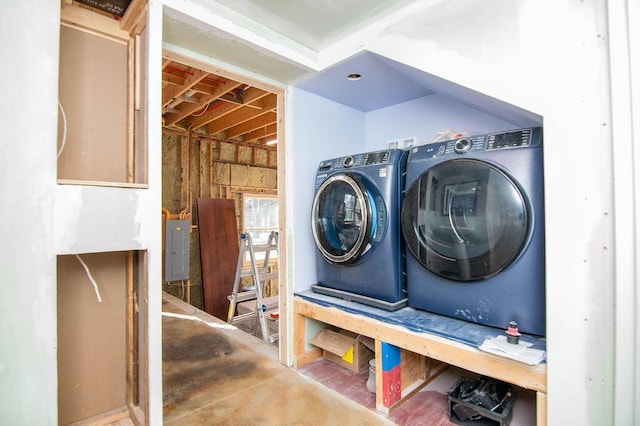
<point x="469" y="333"/>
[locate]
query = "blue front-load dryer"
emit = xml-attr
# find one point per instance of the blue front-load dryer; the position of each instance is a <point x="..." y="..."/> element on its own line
<point x="473" y="221"/>
<point x="356" y="228"/>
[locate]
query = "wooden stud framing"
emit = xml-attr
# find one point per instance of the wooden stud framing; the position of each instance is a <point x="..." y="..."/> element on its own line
<point x="541" y="409"/>
<point x="115" y="416"/>
<point x="196" y="136"/>
<point x="187" y="174"/>
<point x="202" y="163"/>
<point x="101" y="183"/>
<point x="134" y="19"/>
<point x="92" y="22"/>
<point x="211" y="143"/>
<point x="132" y="89"/>
<point x="132" y="385"/>
<point x="139" y="132"/>
<point x="285" y="289"/>
<point x="183" y="175"/>
<point x="141" y="311"/>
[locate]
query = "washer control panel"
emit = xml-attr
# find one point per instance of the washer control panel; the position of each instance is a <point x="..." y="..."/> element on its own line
<point x="368" y="159"/>
<point x="348" y="161"/>
<point x="380" y="157"/>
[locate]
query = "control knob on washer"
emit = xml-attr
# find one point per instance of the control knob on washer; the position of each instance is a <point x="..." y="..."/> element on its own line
<point x="348" y="161"/>
<point x="462" y="145"/>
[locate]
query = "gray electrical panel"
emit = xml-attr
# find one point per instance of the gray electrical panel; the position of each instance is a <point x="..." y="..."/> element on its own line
<point x="176" y="251"/>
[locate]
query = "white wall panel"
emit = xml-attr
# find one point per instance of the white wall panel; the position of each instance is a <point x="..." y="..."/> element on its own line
<point x="91" y="219"/>
<point x="28" y="364"/>
<point x="624" y="40"/>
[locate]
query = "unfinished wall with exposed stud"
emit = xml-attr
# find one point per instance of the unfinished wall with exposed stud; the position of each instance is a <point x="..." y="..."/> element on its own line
<point x="197" y="166"/>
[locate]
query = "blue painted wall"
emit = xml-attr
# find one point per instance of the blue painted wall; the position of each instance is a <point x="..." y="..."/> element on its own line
<point x="425" y="117"/>
<point x="319" y="129"/>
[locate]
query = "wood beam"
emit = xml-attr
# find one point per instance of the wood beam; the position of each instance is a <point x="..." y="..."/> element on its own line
<point x="264" y="132"/>
<point x="134" y="18"/>
<point x="171" y="78"/>
<point x="250" y="95"/>
<point x="176" y="91"/>
<point x="258" y="123"/>
<point x="267" y="104"/>
<point x="204" y="102"/>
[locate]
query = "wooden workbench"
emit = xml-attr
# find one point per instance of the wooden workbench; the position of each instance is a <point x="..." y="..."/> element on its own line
<point x="426" y="345"/>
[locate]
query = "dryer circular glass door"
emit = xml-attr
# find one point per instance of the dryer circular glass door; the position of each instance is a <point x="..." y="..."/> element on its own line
<point x="342" y="219"/>
<point x="465" y="220"/>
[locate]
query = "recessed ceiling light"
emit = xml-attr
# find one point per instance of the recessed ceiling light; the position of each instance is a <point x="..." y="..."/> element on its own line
<point x="354" y="76"/>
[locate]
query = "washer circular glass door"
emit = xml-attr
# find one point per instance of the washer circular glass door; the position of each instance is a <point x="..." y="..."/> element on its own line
<point x="341" y="219"/>
<point x="465" y="220"/>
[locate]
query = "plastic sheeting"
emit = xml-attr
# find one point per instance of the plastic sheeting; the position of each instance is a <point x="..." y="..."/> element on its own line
<point x="419" y="321"/>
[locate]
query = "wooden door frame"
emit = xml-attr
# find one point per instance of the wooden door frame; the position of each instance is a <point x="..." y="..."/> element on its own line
<point x="283" y="292"/>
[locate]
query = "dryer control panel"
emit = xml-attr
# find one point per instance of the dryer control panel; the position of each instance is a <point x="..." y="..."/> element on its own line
<point x="518" y="139"/>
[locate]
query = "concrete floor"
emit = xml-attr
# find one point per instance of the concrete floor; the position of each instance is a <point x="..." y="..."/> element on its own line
<point x="214" y="374"/>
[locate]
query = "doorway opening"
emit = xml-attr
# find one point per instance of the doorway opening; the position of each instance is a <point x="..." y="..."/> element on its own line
<point x="221" y="140"/>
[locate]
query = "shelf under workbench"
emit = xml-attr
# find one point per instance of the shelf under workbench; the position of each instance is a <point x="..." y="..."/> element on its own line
<point x="458" y="348"/>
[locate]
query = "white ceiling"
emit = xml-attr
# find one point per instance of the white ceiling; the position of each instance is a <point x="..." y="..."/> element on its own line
<point x="315" y="24"/>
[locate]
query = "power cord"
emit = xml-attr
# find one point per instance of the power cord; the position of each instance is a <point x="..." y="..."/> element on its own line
<point x="95" y="285"/>
<point x="64" y="129"/>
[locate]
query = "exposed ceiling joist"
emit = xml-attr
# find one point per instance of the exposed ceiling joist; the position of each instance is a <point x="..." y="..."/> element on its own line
<point x="250" y="125"/>
<point x="220" y="110"/>
<point x="173" y="92"/>
<point x="200" y="101"/>
<point x="241" y="115"/>
<point x="200" y="107"/>
<point x="267" y="132"/>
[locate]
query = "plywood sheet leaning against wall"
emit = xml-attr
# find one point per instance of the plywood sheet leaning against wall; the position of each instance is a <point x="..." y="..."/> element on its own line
<point x="218" y="234"/>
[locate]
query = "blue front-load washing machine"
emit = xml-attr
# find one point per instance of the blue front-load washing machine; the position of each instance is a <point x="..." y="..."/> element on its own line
<point x="356" y="228"/>
<point x="473" y="221"/>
